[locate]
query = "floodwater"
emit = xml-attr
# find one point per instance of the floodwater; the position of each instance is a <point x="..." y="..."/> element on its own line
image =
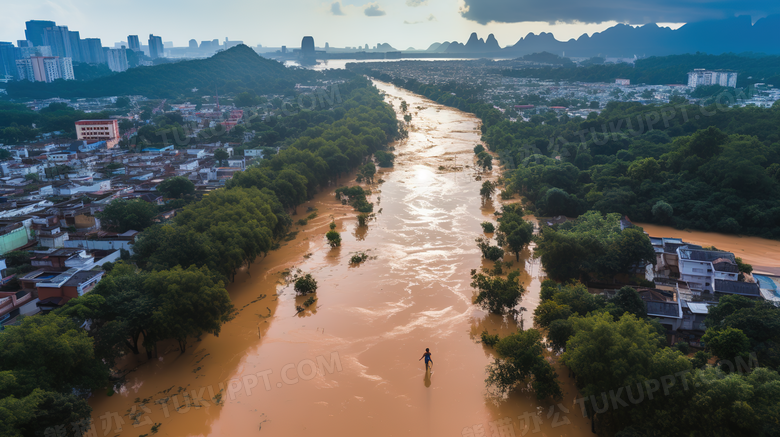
<point x="348" y="364"/>
<point x="762" y="254"/>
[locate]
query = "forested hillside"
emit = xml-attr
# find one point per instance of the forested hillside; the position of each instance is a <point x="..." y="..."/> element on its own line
<point x="17" y="120"/>
<point x="232" y="71"/>
<point x="703" y="168"/>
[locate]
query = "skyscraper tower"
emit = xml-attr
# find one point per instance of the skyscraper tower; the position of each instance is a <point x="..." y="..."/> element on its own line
<point x="156" y="49"/>
<point x="58" y="38"/>
<point x="34" y="31"/>
<point x="133" y="43"/>
<point x="307" y="46"/>
<point x="75" y="46"/>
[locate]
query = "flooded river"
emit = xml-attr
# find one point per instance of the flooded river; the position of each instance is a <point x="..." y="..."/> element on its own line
<point x="348" y="364"/>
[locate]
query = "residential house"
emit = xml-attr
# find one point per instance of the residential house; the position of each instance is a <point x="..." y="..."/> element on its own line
<point x="52" y="236"/>
<point x="700" y="268"/>
<point x="13" y="237"/>
<point x="59" y="289"/>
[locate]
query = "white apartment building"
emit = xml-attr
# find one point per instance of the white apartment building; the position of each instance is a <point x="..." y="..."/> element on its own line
<point x="702" y="77"/>
<point x="117" y="59"/>
<point x="45" y="68"/>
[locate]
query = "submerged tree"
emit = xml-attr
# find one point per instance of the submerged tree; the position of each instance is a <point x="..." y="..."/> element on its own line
<point x="487" y="190"/>
<point x="496" y="294"/>
<point x="306" y="284"/>
<point x="334" y="238"/>
<point x="521" y="360"/>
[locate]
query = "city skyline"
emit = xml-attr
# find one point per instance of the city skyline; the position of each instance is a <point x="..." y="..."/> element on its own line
<point x="273" y="26"/>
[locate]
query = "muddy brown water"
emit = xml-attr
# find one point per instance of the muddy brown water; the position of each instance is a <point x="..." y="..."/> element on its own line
<point x="348" y="364"/>
<point x="762" y="254"/>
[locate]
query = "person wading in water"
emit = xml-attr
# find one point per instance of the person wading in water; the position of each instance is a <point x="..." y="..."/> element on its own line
<point x="427" y="356"/>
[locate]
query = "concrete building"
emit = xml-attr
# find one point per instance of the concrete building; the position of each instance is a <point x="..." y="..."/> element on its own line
<point x="52" y="236"/>
<point x="92" y="51"/>
<point x="34" y="31"/>
<point x="156" y="48"/>
<point x="75" y="46"/>
<point x="8" y="57"/>
<point x="45" y="69"/>
<point x="117" y="59"/>
<point x="700" y="268"/>
<point x="58" y="38"/>
<point x="702" y="77"/>
<point x="134" y="43"/>
<point x="12" y="237"/>
<point x="98" y="130"/>
<point x="67" y="285"/>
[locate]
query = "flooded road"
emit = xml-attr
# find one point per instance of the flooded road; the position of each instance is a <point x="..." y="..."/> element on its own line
<point x="348" y="364"/>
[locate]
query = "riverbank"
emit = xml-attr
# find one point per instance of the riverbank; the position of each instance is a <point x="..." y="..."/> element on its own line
<point x="370" y="323"/>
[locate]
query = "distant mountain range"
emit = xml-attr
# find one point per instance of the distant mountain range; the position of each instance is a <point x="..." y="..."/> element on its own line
<point x="735" y="35"/>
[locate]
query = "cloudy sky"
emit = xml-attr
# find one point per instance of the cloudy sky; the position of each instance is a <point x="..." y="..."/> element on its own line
<point x="401" y="23"/>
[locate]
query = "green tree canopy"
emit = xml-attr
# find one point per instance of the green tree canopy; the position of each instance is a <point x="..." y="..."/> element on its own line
<point x="123" y="215"/>
<point x="521" y="360"/>
<point x="176" y="187"/>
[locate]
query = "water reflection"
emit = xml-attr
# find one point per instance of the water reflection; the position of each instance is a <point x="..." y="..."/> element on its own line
<point x="374" y="317"/>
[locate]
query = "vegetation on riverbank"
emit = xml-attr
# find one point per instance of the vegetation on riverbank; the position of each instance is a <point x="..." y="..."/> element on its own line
<point x="175" y="288"/>
<point x="712" y="168"/>
<point x="631" y="383"/>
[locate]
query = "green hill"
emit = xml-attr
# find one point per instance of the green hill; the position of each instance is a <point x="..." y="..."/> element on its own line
<point x="232" y="71"/>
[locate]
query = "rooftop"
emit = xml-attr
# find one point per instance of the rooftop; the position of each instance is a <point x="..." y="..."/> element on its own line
<point x="698" y="254"/>
<point x="664" y="309"/>
<point x="736" y="287"/>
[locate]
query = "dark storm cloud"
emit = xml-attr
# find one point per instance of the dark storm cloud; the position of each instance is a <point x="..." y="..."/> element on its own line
<point x="625" y="11"/>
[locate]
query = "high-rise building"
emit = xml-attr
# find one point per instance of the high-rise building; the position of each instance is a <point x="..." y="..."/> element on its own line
<point x="156" y="49"/>
<point x="45" y="68"/>
<point x="117" y="59"/>
<point x="66" y="68"/>
<point x="92" y="51"/>
<point x="134" y="43"/>
<point x="193" y="44"/>
<point x="58" y="37"/>
<point x="307" y="46"/>
<point x="34" y="31"/>
<point x="75" y="46"/>
<point x="24" y="69"/>
<point x="702" y="77"/>
<point x="22" y="43"/>
<point x="8" y="57"/>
